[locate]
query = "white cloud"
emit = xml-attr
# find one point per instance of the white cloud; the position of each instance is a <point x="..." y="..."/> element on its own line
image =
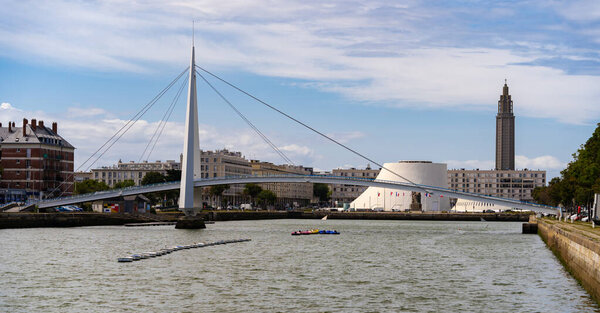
<point x="471" y="164"/>
<point x="85" y="112"/>
<point x="298" y="150"/>
<point x="546" y="162"/>
<point x="350" y="48"/>
<point x="87" y="132"/>
<point x="5" y="106"/>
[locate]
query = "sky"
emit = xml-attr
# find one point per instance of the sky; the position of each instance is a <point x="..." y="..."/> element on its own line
<point x="394" y="80"/>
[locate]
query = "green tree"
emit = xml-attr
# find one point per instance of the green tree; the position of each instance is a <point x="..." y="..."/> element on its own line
<point x="579" y="181"/>
<point x="124" y="184"/>
<point x="89" y="185"/>
<point x="153" y="178"/>
<point x="321" y="191"/>
<point x="266" y="197"/>
<point x="216" y="191"/>
<point x="252" y="190"/>
<point x="173" y="175"/>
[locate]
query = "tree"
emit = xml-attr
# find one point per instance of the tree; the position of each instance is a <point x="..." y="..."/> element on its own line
<point x="173" y="175"/>
<point x="266" y="197"/>
<point x="124" y="184"/>
<point x="89" y="185"/>
<point x="252" y="190"/>
<point x="579" y="181"/>
<point x="153" y="178"/>
<point x="163" y="197"/>
<point x="217" y="191"/>
<point x="321" y="191"/>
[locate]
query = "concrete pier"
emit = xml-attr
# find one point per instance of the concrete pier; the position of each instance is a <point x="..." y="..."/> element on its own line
<point x="190" y="222"/>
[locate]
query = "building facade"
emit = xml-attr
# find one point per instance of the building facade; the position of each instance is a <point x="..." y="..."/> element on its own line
<point x="514" y="184"/>
<point x="135" y="171"/>
<point x="36" y="159"/>
<point x="287" y="194"/>
<point x="341" y="194"/>
<point x="505" y="132"/>
<point x="224" y="163"/>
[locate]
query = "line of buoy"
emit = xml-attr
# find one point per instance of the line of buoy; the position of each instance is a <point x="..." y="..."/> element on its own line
<point x="161" y="252"/>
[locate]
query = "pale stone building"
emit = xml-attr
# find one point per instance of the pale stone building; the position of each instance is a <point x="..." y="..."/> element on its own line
<point x="132" y="171"/>
<point x="515" y="184"/>
<point x="287" y="193"/>
<point x="347" y="193"/>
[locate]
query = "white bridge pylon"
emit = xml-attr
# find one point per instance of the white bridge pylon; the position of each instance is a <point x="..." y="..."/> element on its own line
<point x="190" y="166"/>
<point x="336" y="180"/>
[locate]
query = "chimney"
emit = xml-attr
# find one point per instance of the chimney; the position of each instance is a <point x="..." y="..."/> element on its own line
<point x="33" y="124"/>
<point x="24" y="127"/>
<point x="0" y="124"/>
<point x="13" y="124"/>
<point x="10" y="127"/>
<point x="41" y="124"/>
<point x="55" y="128"/>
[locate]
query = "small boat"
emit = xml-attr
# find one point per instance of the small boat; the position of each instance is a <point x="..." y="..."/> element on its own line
<point x="136" y="257"/>
<point x="125" y="259"/>
<point x="324" y="218"/>
<point x="315" y="231"/>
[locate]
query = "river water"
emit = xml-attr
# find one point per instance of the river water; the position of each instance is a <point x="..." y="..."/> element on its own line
<point x="373" y="266"/>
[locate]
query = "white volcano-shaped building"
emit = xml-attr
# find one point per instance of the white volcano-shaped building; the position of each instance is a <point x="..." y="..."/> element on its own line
<point x="418" y="172"/>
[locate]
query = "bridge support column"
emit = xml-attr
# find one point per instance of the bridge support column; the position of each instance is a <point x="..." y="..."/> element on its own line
<point x="190" y="201"/>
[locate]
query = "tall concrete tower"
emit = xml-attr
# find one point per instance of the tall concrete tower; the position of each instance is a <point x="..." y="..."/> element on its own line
<point x="505" y="132"/>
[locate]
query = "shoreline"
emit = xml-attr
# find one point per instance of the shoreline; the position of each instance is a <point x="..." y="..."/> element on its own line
<point x="34" y="220"/>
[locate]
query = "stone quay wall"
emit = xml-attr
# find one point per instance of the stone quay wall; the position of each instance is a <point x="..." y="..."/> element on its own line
<point x="579" y="254"/>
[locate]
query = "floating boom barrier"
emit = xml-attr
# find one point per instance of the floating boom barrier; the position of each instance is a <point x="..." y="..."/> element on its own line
<point x="161" y="252"/>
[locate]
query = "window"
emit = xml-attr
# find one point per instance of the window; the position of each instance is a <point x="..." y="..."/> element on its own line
<point x="28" y="153"/>
<point x="18" y="149"/>
<point x="18" y="161"/>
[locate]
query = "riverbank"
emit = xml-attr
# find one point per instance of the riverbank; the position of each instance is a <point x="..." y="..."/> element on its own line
<point x="428" y="216"/>
<point x="32" y="220"/>
<point x="29" y="220"/>
<point x="577" y="246"/>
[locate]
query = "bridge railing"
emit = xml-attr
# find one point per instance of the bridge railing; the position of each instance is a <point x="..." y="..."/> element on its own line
<point x="349" y="180"/>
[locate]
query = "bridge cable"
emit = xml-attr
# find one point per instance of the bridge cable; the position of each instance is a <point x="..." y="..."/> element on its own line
<point x="307" y="126"/>
<point x="263" y="136"/>
<point x="131" y="121"/>
<point x="168" y="117"/>
<point x="162" y="121"/>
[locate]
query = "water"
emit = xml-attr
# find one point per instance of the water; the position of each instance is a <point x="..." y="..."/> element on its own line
<point x="373" y="266"/>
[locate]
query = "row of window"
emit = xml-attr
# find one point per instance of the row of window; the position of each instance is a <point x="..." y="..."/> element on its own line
<point x="531" y="175"/>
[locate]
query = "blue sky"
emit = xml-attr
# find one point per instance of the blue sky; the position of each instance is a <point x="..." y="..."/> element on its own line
<point x="397" y="80"/>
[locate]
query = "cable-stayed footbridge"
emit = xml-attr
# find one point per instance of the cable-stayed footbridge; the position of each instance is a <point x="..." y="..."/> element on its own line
<point x="191" y="178"/>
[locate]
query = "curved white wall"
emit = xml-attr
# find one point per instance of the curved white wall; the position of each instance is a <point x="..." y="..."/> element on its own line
<point x="432" y="174"/>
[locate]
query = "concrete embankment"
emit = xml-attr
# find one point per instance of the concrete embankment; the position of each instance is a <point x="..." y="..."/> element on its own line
<point x="29" y="220"/>
<point x="578" y="247"/>
<point x="259" y="215"/>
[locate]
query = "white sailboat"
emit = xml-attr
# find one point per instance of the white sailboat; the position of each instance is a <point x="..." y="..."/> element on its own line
<point x="324" y="218"/>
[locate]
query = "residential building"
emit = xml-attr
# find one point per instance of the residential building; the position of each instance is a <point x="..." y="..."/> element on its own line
<point x="36" y="159"/>
<point x="224" y="163"/>
<point x="347" y="193"/>
<point x="515" y="184"/>
<point x="132" y="171"/>
<point x="287" y="194"/>
<point x="82" y="176"/>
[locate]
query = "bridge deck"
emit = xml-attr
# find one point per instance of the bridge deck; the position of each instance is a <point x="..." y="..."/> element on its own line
<point x="102" y="195"/>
